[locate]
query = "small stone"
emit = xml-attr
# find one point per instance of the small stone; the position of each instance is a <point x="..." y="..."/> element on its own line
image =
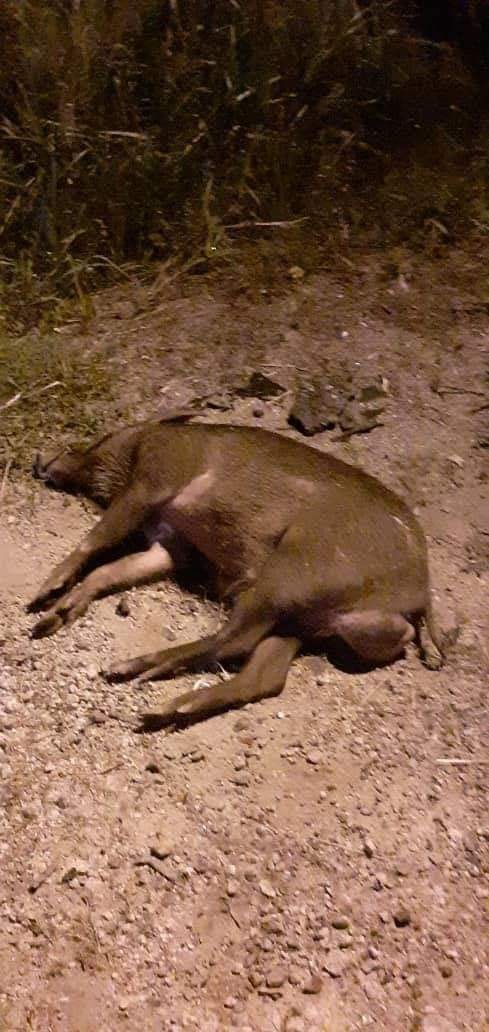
<point x="336" y="963"/>
<point x="276" y="978"/>
<point x="242" y="724"/>
<point x="153" y="767"/>
<point x="340" y="922"/>
<point x="161" y="848"/>
<point x="296" y="975"/>
<point x="314" y="757"/>
<point x="201" y="864"/>
<point x="273" y="923"/>
<point x="402" y="918"/>
<point x="242" y="779"/>
<point x="313" y="986"/>
<point x="197" y="756"/>
<point x="267" y="889"/>
<point x="123" y="608"/>
<point x="97" y="717"/>
<point x="10" y="706"/>
<point x="370" y="965"/>
<point x="446" y="970"/>
<point x="368" y="848"/>
<point x="373" y="989"/>
<point x="232" y="887"/>
<point x="323" y="935"/>
<point x="239" y="762"/>
<point x="92" y="672"/>
<point x="256" y="979"/>
<point x="230" y="1002"/>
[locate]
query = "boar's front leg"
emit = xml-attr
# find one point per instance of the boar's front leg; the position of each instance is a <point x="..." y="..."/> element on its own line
<point x="121" y="519"/>
<point x="139" y="568"/>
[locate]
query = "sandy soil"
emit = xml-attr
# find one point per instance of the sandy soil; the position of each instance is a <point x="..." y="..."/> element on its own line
<point x="314" y="862"/>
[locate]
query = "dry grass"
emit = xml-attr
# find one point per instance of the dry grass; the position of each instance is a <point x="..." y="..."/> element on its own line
<point x="135" y="131"/>
<point x="48" y="391"/>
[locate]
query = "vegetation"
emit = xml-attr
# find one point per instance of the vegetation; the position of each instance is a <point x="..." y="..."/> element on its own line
<point x="136" y="129"/>
<point x="45" y="388"/>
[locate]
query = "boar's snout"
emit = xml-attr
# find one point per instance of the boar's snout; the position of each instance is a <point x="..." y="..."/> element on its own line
<point x="51" y="468"/>
<point x="39" y="468"/>
<point x="63" y="470"/>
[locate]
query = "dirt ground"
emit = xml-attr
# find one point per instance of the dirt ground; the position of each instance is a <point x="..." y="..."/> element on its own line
<point x="317" y="862"/>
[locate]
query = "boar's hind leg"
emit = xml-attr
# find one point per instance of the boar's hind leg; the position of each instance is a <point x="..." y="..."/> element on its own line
<point x="249" y="622"/>
<point x="139" y="568"/>
<point x="262" y="676"/>
<point x="121" y="519"/>
<point x="376" y="637"/>
<point x="254" y="616"/>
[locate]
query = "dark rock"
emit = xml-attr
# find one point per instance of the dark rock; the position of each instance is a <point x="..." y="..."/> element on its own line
<point x="402" y="918"/>
<point x="123" y="608"/>
<point x="260" y="386"/>
<point x="340" y="922"/>
<point x="153" y="767"/>
<point x="316" y="407"/>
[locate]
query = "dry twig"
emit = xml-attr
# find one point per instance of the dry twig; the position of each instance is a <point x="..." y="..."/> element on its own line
<point x="29" y="394"/>
<point x="447" y="762"/>
<point x="3" y="485"/>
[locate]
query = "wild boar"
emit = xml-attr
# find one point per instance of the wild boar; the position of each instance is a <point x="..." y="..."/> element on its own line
<point x="305" y="546"/>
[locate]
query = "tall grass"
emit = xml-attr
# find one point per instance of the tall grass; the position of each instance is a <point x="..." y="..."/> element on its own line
<point x="131" y="128"/>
